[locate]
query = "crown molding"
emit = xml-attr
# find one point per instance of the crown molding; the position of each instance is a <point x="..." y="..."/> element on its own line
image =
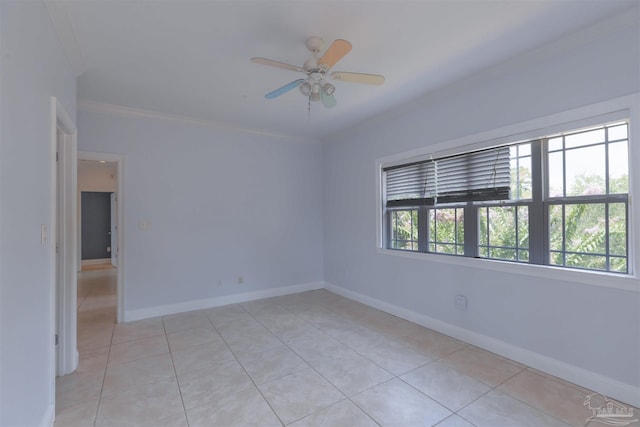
<point x="155" y="115"/>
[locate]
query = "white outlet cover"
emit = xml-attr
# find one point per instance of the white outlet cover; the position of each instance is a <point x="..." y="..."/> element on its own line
<point x="460" y="302"/>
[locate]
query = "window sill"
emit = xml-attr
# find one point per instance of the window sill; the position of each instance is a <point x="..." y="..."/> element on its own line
<point x="593" y="278"/>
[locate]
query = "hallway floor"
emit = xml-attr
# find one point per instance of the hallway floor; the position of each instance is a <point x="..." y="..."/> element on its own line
<point x="307" y="359"/>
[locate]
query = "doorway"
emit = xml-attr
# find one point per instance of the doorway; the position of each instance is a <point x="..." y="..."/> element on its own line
<point x="100" y="177"/>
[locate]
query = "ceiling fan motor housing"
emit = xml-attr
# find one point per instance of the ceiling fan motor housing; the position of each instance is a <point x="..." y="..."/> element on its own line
<point x="315" y="44"/>
<point x="310" y="64"/>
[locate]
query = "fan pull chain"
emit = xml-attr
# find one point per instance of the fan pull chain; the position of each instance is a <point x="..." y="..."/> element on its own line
<point x="309" y="107"/>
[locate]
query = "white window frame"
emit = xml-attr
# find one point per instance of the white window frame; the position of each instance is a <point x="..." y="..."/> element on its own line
<point x="603" y="112"/>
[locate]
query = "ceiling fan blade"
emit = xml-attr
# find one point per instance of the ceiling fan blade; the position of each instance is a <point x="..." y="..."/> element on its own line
<point x="272" y="63"/>
<point x="284" y="89"/>
<point x="370" y="79"/>
<point x="338" y="49"/>
<point x="329" y="101"/>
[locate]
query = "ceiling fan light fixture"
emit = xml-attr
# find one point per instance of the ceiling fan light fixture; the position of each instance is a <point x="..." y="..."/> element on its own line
<point x="328" y="88"/>
<point x="305" y="89"/>
<point x="315" y="93"/>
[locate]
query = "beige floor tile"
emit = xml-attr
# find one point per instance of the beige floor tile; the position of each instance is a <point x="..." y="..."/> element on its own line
<point x="178" y="420"/>
<point x="123" y="376"/>
<point x="294" y="330"/>
<point x="379" y="321"/>
<point x="208" y="385"/>
<point x="97" y="336"/>
<point x="298" y="395"/>
<point x="351" y="374"/>
<point x="282" y="323"/>
<point x="358" y="338"/>
<point x="188" y="320"/>
<point x="395" y="357"/>
<point x="319" y="346"/>
<point x="401" y="328"/>
<point x="272" y="310"/>
<point x="136" y="361"/>
<point x="482" y="365"/>
<point x="262" y="306"/>
<point x="142" y="404"/>
<point x="138" y="349"/>
<point x="81" y="414"/>
<point x="246" y="344"/>
<point x="93" y="360"/>
<point x="351" y="308"/>
<point x="245" y="408"/>
<point x="324" y="319"/>
<point x="192" y="337"/>
<point x="397" y="404"/>
<point x="226" y="314"/>
<point x="272" y="364"/>
<point x="202" y="356"/>
<point x="343" y="413"/>
<point x="555" y="397"/>
<point x="498" y="409"/>
<point x="454" y="421"/>
<point x="104" y="315"/>
<point x="240" y="326"/>
<point x="92" y="302"/>
<point x="432" y="344"/>
<point x="95" y="327"/>
<point x="445" y="385"/>
<point x="131" y="331"/>
<point x="78" y="387"/>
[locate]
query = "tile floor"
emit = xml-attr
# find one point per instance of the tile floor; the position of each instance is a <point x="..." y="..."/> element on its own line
<point x="307" y="359"/>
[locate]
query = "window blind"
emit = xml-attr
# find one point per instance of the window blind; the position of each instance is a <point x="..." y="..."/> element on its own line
<point x="473" y="176"/>
<point x="413" y="184"/>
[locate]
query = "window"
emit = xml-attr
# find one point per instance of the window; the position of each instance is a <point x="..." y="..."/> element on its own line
<point x="587" y="198"/>
<point x="446" y="230"/>
<point x="561" y="200"/>
<point x="504" y="232"/>
<point x="404" y="229"/>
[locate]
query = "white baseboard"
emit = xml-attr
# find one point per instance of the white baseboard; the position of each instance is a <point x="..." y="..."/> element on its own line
<point x="49" y="417"/>
<point x="96" y="261"/>
<point x="163" y="310"/>
<point x="612" y="388"/>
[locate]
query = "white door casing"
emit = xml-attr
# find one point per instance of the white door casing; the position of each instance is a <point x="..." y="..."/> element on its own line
<point x="63" y="247"/>
<point x="114" y="229"/>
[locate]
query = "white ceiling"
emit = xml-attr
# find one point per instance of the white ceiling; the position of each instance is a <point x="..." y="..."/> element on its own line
<point x="191" y="58"/>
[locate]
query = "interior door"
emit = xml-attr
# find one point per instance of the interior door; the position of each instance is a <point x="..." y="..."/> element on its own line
<point x="96" y="225"/>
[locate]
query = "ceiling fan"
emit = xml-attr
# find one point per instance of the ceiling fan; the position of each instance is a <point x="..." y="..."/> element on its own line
<point x="315" y="86"/>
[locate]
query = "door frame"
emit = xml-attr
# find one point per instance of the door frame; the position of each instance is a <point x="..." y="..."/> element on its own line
<point x="119" y="161"/>
<point x="114" y="228"/>
<point x="64" y="358"/>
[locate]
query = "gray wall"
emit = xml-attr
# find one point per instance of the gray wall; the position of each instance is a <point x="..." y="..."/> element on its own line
<point x="33" y="68"/>
<point x="556" y="318"/>
<point x="219" y="204"/>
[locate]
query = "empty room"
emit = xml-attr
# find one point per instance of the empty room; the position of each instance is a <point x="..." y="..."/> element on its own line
<point x="319" y="213"/>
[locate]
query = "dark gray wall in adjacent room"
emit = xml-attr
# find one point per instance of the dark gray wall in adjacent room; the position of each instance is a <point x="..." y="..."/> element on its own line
<point x="96" y="225"/>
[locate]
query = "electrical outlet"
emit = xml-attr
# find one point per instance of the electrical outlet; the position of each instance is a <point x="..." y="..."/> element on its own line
<point x="219" y="282"/>
<point x="240" y="280"/>
<point x="460" y="302"/>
